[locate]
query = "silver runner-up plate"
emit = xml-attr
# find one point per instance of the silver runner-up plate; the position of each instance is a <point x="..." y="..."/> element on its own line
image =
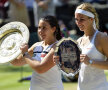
<point x="12" y="35"/>
<point x="69" y="56"/>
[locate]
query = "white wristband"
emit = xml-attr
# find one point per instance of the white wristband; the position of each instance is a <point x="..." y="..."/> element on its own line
<point x="90" y="62"/>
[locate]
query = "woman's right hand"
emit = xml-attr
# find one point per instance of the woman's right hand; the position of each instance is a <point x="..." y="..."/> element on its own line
<point x="56" y="59"/>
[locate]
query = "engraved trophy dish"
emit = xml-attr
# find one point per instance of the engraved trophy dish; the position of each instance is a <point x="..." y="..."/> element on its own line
<point x="12" y="35"/>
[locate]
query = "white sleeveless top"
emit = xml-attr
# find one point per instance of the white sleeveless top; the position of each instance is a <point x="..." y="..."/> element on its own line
<point x="50" y="80"/>
<point x="91" y="78"/>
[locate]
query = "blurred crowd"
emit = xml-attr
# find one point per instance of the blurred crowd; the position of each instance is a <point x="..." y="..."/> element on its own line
<point x="30" y="11"/>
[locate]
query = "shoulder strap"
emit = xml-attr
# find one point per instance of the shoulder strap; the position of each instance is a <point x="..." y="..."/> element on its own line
<point x="94" y="36"/>
<point x="50" y="46"/>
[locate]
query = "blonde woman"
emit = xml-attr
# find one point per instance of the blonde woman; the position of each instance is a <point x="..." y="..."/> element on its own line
<point x="94" y="45"/>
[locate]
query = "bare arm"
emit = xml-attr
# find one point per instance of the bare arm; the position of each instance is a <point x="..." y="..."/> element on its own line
<point x="103" y="48"/>
<point x="20" y="60"/>
<point x="104" y="45"/>
<point x="42" y="66"/>
<point x="38" y="66"/>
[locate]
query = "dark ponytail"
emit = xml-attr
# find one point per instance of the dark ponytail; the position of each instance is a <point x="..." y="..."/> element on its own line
<point x="58" y="33"/>
<point x="53" y="23"/>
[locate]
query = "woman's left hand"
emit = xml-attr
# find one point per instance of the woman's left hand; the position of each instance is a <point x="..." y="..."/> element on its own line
<point x="84" y="58"/>
<point x="24" y="48"/>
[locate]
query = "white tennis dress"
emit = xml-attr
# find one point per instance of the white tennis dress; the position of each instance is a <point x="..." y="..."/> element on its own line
<point x="50" y="80"/>
<point x="91" y="78"/>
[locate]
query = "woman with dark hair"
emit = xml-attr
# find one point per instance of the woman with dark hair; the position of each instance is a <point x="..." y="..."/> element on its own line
<point x="46" y="75"/>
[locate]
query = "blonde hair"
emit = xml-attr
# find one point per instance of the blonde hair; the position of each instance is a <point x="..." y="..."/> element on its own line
<point x="90" y="8"/>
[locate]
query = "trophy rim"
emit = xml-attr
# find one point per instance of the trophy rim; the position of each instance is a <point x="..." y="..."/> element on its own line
<point x="60" y="62"/>
<point x="13" y="28"/>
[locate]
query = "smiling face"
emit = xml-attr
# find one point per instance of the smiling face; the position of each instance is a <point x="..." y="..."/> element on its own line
<point x="83" y="22"/>
<point x="45" y="31"/>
